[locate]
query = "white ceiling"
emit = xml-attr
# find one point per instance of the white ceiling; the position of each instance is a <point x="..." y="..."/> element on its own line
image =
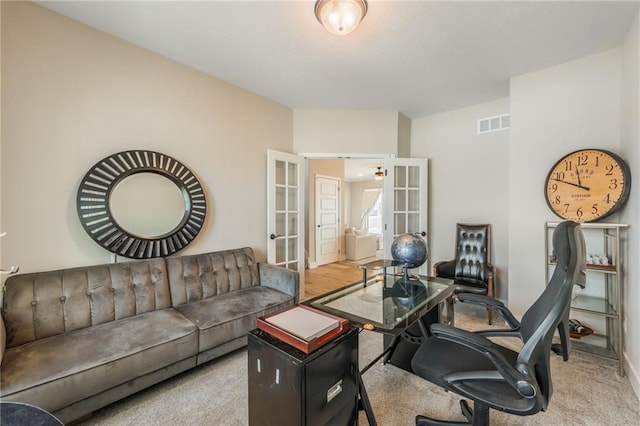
<point x="416" y="57"/>
<point x="361" y="169"/>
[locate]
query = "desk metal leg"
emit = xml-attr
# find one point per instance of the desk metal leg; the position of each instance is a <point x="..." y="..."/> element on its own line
<point x="388" y="352"/>
<point x="423" y="329"/>
<point x="365" y="403"/>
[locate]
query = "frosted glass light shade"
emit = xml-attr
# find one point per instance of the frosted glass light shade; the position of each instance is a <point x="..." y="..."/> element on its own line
<point x="340" y="17"/>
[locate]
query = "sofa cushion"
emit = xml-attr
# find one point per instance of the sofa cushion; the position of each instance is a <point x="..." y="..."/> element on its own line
<point x="60" y="370"/>
<point x="232" y="315"/>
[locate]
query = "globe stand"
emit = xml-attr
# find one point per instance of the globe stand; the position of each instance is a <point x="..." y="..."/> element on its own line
<point x="405" y="274"/>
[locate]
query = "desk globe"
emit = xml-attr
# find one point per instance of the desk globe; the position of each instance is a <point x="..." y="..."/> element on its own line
<point x="409" y="250"/>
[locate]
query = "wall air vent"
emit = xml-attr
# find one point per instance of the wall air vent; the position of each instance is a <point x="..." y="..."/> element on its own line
<point x="493" y="124"/>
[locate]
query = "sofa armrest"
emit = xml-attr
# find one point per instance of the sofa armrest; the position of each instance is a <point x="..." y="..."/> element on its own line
<point x="280" y="278"/>
<point x="3" y="338"/>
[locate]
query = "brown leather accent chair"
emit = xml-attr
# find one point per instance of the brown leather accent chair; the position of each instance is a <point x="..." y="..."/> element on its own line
<point x="471" y="268"/>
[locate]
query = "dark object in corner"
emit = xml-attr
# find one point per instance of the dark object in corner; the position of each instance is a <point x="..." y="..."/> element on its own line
<point x="556" y="348"/>
<point x="19" y="414"/>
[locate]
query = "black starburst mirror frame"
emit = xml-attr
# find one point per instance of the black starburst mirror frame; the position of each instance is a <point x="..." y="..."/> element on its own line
<point x="94" y="211"/>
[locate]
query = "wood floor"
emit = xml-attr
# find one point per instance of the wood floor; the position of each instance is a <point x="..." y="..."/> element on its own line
<point x="328" y="277"/>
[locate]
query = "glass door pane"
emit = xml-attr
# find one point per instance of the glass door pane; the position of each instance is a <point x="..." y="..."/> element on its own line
<point x="285" y="199"/>
<point x="405" y="200"/>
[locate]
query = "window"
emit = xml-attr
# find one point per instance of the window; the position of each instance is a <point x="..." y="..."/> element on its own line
<point x="373" y="217"/>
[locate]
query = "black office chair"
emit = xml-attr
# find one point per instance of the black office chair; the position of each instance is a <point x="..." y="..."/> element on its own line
<point x="494" y="376"/>
<point x="471" y="267"/>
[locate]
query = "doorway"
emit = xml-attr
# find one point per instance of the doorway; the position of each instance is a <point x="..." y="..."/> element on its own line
<point x="404" y="200"/>
<point x="357" y="192"/>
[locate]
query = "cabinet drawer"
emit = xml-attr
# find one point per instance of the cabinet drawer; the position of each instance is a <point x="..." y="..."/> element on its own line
<point x="332" y="384"/>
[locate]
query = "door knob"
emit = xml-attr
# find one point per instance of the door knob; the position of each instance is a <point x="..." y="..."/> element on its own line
<point x="274" y="236"/>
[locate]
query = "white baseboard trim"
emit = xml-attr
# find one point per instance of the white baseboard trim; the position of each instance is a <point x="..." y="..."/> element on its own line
<point x="313" y="265"/>
<point x="632" y="375"/>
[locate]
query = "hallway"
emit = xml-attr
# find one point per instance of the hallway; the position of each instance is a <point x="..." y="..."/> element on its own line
<point x="329" y="277"/>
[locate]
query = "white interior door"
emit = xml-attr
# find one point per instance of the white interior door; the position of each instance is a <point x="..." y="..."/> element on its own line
<point x="327" y="220"/>
<point x="285" y="210"/>
<point x="405" y="201"/>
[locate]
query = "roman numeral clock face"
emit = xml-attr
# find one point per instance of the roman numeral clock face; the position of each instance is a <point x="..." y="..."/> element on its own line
<point x="588" y="185"/>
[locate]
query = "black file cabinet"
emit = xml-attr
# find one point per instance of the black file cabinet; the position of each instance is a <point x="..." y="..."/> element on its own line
<point x="289" y="388"/>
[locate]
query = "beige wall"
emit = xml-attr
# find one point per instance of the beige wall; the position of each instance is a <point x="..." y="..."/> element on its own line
<point x="630" y="150"/>
<point x="468" y="179"/>
<point x="72" y="95"/>
<point x="590" y="102"/>
<point x="1" y="228"/>
<point x="345" y="132"/>
<point x="404" y="136"/>
<point x="553" y="112"/>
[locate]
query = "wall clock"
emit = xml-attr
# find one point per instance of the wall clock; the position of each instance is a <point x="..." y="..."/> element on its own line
<point x="587" y="185"/>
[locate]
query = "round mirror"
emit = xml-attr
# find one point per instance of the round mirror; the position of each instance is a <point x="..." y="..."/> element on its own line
<point x="147" y="205"/>
<point x="141" y="204"/>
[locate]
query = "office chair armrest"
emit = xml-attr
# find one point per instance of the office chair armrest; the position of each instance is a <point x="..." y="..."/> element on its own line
<point x="491" y="303"/>
<point x="520" y="382"/>
<point x="445" y="268"/>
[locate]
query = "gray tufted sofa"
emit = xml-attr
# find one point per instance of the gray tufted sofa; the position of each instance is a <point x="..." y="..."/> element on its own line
<point x="75" y="340"/>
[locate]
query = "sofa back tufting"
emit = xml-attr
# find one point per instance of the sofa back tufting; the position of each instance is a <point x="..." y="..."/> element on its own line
<point x="46" y="304"/>
<point x="200" y="276"/>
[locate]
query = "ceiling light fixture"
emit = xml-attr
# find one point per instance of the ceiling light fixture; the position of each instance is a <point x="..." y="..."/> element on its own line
<point x="379" y="175"/>
<point x="340" y="17"/>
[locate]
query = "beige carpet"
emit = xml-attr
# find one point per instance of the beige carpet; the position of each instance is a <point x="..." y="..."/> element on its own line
<point x="587" y="391"/>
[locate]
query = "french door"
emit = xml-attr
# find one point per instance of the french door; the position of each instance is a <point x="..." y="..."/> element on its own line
<point x="285" y="212"/>
<point x="405" y="201"/>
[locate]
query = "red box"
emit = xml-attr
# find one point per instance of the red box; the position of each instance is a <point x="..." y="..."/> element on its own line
<point x="297" y="342"/>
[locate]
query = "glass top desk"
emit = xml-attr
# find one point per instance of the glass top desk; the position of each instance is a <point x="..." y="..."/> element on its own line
<point x="387" y="303"/>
